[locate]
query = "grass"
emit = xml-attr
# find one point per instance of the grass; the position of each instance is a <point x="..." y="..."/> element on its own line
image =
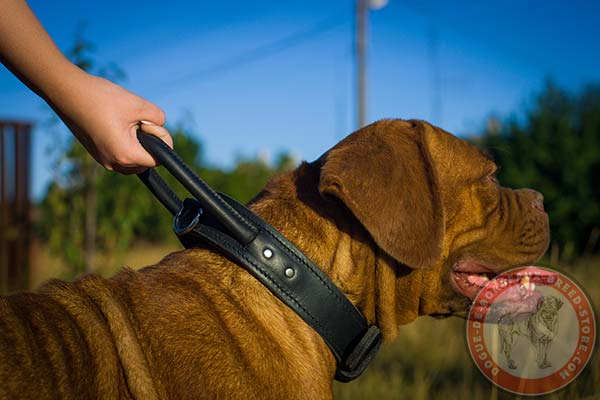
<point x="45" y="265"/>
<point x="429" y="360"/>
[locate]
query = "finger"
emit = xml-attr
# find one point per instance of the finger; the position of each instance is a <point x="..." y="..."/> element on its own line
<point x="157" y="131"/>
<point x="138" y="156"/>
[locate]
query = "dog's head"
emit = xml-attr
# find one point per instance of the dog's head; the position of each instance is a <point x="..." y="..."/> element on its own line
<point x="430" y="201"/>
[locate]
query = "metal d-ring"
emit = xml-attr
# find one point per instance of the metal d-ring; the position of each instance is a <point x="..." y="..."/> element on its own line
<point x="188" y="215"/>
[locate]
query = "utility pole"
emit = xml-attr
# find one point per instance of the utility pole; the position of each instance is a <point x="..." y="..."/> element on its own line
<point x="362" y="10"/>
<point x="361" y="44"/>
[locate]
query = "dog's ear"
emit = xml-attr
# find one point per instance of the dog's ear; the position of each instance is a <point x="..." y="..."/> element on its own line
<point x="383" y="174"/>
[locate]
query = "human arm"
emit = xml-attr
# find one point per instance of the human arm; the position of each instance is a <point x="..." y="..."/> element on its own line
<point x="102" y="115"/>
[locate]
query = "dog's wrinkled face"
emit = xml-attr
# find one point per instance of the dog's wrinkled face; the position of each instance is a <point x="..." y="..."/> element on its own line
<point x="488" y="228"/>
<point x="430" y="200"/>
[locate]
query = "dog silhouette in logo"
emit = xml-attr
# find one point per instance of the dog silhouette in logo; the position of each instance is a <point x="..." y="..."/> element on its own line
<point x="539" y="326"/>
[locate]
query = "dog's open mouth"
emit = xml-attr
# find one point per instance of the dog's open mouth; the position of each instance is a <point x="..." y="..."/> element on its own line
<point x="468" y="277"/>
<point x="512" y="292"/>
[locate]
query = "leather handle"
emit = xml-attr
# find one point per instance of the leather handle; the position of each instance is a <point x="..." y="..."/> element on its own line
<point x="159" y="188"/>
<point x="238" y="226"/>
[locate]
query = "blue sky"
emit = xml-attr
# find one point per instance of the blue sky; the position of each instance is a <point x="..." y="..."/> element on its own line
<point x="289" y="77"/>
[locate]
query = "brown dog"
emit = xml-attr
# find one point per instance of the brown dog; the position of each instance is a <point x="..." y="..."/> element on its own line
<point x="401" y="215"/>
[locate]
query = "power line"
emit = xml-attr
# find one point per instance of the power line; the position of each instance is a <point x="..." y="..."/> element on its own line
<point x="259" y="52"/>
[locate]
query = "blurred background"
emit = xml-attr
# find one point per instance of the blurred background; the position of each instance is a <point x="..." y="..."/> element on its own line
<point x="250" y="88"/>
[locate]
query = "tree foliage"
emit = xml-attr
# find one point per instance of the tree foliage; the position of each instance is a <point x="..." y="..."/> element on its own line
<point x="555" y="149"/>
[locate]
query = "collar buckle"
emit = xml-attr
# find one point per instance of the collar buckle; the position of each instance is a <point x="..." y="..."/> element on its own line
<point x="362" y="354"/>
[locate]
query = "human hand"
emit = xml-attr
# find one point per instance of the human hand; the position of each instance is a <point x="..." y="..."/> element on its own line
<point x="105" y="117"/>
<point x="101" y="114"/>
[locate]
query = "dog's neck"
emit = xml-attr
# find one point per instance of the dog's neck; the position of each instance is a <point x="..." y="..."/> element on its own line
<point x="386" y="292"/>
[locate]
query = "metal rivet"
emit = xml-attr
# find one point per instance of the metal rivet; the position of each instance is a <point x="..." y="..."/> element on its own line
<point x="268" y="253"/>
<point x="289" y="272"/>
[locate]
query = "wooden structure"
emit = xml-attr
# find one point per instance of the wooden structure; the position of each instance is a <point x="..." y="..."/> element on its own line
<point x="15" y="226"/>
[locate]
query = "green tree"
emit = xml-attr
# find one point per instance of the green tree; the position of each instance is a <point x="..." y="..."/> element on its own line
<point x="555" y="149"/>
<point x="124" y="208"/>
<point x="247" y="176"/>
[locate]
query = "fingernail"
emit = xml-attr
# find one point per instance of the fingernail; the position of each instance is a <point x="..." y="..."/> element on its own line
<point x="146" y="122"/>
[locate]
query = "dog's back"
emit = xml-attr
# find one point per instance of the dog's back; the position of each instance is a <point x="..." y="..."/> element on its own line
<point x="194" y="326"/>
<point x="61" y="341"/>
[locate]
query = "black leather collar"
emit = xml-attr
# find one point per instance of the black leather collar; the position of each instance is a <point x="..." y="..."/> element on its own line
<point x="268" y="256"/>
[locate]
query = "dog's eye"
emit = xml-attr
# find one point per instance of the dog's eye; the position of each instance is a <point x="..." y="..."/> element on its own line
<point x="492" y="177"/>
